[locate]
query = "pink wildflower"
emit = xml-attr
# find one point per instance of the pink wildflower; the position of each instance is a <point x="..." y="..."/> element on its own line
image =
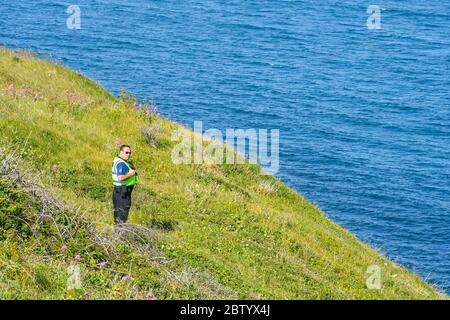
<point x="151" y="296"/>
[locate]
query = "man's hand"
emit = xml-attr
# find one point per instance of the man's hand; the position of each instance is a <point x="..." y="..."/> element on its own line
<point x="126" y="176"/>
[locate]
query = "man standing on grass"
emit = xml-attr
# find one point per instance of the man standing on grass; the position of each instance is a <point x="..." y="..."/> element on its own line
<point x="124" y="178"/>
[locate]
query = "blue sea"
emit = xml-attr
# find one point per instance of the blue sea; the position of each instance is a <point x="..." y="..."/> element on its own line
<point x="363" y="114"/>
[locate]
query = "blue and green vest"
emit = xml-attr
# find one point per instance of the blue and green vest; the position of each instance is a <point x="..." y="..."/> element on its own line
<point x="131" y="181"/>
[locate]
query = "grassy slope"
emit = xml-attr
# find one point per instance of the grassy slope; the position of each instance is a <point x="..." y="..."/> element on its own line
<point x="250" y="240"/>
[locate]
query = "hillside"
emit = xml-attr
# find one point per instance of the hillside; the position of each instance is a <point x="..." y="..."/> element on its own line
<point x="196" y="231"/>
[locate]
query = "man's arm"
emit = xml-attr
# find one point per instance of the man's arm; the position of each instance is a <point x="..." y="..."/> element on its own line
<point x="126" y="176"/>
<point x="123" y="173"/>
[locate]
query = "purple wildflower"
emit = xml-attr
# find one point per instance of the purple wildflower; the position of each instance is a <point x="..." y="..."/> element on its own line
<point x="151" y="296"/>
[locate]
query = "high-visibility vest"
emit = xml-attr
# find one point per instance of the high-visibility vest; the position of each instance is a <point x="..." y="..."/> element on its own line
<point x="131" y="181"/>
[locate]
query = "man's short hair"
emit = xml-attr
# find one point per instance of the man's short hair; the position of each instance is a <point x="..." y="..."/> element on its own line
<point x="124" y="146"/>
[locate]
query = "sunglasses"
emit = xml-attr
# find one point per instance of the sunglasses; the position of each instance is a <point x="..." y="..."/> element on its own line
<point x="128" y="152"/>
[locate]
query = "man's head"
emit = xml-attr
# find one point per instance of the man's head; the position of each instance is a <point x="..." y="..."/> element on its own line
<point x="125" y="152"/>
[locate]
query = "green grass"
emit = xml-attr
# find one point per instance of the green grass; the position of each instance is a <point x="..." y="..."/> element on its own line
<point x="223" y="231"/>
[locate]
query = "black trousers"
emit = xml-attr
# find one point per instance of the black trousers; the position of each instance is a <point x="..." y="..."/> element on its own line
<point x="122" y="203"/>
